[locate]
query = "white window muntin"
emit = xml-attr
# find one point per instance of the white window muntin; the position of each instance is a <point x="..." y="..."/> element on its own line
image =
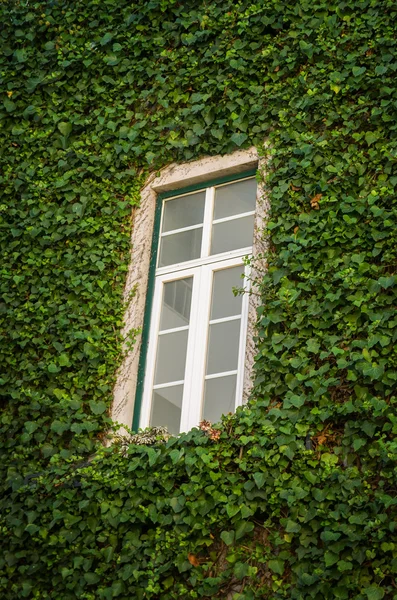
<point x="202" y="270"/>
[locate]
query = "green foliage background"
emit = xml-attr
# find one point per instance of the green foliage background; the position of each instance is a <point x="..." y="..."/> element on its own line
<point x="297" y="498"/>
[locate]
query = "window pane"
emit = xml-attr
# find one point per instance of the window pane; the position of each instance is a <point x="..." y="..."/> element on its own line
<point x="223" y="347"/>
<point x="219" y="397"/>
<point x="224" y="302"/>
<point x="171" y="357"/>
<point x="183" y="212"/>
<point x="177" y="298"/>
<point x="180" y="247"/>
<point x="234" y="199"/>
<point x="232" y="235"/>
<point x="166" y="408"/>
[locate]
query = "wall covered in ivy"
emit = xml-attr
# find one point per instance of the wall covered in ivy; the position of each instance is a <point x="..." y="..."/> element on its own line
<point x="294" y="497"/>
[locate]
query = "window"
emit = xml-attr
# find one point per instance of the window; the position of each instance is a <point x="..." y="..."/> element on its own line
<point x="195" y="356"/>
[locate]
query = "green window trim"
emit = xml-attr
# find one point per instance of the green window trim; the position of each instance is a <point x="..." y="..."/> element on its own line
<point x="152" y="272"/>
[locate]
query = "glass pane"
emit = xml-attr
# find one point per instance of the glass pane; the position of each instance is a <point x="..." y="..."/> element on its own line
<point x="166" y="408"/>
<point x="177" y="298"/>
<point x="171" y="357"/>
<point x="219" y="397"/>
<point x="223" y="347"/>
<point x="234" y="199"/>
<point x="232" y="235"/>
<point x="183" y="212"/>
<point x="224" y="302"/>
<point x="179" y="247"/>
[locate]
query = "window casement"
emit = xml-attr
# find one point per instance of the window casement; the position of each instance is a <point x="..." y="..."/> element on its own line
<point x="192" y="362"/>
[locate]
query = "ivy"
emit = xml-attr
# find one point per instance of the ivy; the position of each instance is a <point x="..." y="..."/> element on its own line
<point x="294" y="496"/>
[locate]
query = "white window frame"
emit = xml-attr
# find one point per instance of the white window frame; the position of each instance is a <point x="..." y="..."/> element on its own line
<point x="171" y="178"/>
<point x="202" y="270"/>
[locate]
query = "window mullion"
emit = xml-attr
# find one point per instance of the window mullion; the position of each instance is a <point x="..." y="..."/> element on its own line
<point x="207" y="224"/>
<point x="243" y="336"/>
<point x="189" y="390"/>
<point x="199" y="350"/>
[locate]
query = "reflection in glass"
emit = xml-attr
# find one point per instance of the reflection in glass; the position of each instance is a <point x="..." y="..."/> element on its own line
<point x="223" y="347"/>
<point x="166" y="408"/>
<point x="177" y="298"/>
<point x="171" y="357"/>
<point x="219" y="397"/>
<point x="180" y="247"/>
<point x="231" y="235"/>
<point x="183" y="212"/>
<point x="224" y="302"/>
<point x="235" y="198"/>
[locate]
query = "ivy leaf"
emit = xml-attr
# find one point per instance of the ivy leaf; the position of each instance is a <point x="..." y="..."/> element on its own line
<point x="9" y="105"/>
<point x="366" y="354"/>
<point x="232" y="509"/>
<point x="239" y="138"/>
<point x="20" y="55"/>
<point x="387" y="282"/>
<point x="259" y="479"/>
<point x="371" y="137"/>
<point x="98" y="408"/>
<point x="65" y="128"/>
<point x="91" y="578"/>
<point x="241" y="570"/>
<point x="64" y="360"/>
<point x="374" y="592"/>
<point x="357" y="71"/>
<point x="108" y="553"/>
<point x="106" y="39"/>
<point x="276" y="565"/>
<point x="330" y="559"/>
<point x="227" y="537"/>
<point x="344" y="565"/>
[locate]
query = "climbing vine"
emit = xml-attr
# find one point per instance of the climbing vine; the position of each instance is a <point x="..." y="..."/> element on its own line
<point x="294" y="497"/>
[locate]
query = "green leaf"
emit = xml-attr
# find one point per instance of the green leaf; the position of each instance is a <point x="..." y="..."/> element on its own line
<point x="98" y="408"/>
<point x="276" y="565"/>
<point x="357" y="71"/>
<point x="294" y="400"/>
<point x="241" y="570"/>
<point x="387" y="282"/>
<point x="344" y="565"/>
<point x="239" y="138"/>
<point x="330" y="536"/>
<point x="106" y="39"/>
<point x="176" y="455"/>
<point x="259" y="479"/>
<point x="65" y="128"/>
<point x="358" y="443"/>
<point x="243" y="528"/>
<point x="374" y="592"/>
<point x="9" y="105"/>
<point x="31" y="426"/>
<point x="371" y="137"/>
<point x="108" y="553"/>
<point x="91" y="578"/>
<point x="330" y="558"/>
<point x="232" y="509"/>
<point x="227" y="537"/>
<point x="20" y="55"/>
<point x="366" y="354"/>
<point x="64" y="360"/>
<point x="329" y="459"/>
<point x="313" y="346"/>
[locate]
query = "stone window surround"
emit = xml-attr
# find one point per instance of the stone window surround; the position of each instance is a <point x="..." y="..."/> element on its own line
<point x="172" y="177"/>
